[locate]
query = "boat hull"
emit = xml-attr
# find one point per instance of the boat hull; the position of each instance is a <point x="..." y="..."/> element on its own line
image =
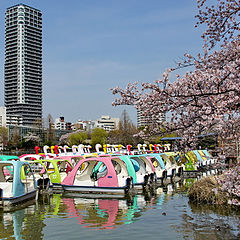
<point x="93" y="195"/>
<point x="19" y="199"/>
<point x="91" y="189"/>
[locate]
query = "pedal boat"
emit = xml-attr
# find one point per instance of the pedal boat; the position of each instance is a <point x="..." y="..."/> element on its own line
<point x="139" y="168"/>
<point x="145" y="171"/>
<point x="17" y="187"/>
<point x="8" y="157"/>
<point x="110" y="178"/>
<point x="136" y="169"/>
<point x="160" y="170"/>
<point x="31" y="157"/>
<point x="49" y="171"/>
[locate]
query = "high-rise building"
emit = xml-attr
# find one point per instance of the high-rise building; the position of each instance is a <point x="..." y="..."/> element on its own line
<point x="23" y="64"/>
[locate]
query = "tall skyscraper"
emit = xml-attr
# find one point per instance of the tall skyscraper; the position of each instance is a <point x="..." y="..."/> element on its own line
<point x="23" y="65"/>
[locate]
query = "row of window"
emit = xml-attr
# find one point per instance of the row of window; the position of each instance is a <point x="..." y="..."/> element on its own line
<point x="27" y="10"/>
<point x="14" y="23"/>
<point x="10" y="17"/>
<point x="31" y="20"/>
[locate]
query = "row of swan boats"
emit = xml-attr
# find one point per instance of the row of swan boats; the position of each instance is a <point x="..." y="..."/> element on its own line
<point x="110" y="171"/>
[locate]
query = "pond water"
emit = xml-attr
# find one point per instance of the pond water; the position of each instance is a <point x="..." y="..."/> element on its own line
<point x="162" y="214"/>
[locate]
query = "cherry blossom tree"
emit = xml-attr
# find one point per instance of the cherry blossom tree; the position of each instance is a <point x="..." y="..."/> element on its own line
<point x="30" y="140"/>
<point x="206" y="98"/>
<point x="32" y="137"/>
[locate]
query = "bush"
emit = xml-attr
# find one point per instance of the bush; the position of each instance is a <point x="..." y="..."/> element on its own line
<point x="230" y="184"/>
<point x="223" y="189"/>
<point x="207" y="190"/>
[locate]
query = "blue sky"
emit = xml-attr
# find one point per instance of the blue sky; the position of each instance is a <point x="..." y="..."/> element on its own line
<point x="90" y="46"/>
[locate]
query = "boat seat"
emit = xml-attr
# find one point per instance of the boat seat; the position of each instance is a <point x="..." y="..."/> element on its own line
<point x="2" y="178"/>
<point x="101" y="174"/>
<point x="7" y="189"/>
<point x="51" y="170"/>
<point x="84" y="183"/>
<point x="63" y="175"/>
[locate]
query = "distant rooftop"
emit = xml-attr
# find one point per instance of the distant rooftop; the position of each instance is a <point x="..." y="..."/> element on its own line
<point x="24" y="5"/>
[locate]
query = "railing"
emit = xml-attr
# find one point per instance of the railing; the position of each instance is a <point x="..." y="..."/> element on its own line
<point x="17" y="152"/>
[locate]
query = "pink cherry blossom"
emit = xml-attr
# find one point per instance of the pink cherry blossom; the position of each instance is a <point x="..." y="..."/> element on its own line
<point x="205" y="99"/>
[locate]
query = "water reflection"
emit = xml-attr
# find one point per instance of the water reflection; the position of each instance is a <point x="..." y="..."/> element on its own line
<point x="106" y="213"/>
<point x="102" y="213"/>
<point x="212" y="222"/>
<point x="21" y="222"/>
<point x="164" y="212"/>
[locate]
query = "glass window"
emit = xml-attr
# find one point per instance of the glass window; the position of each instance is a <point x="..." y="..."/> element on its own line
<point x="7" y="174"/>
<point x="26" y="173"/>
<point x="117" y="167"/>
<point x="99" y="171"/>
<point x="50" y="167"/>
<point x="36" y="167"/>
<point x="155" y="162"/>
<point x="64" y="166"/>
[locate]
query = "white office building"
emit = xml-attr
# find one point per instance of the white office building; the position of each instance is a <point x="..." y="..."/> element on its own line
<point x="143" y="120"/>
<point x="107" y="123"/>
<point x="60" y="123"/>
<point x="84" y="125"/>
<point x="2" y="117"/>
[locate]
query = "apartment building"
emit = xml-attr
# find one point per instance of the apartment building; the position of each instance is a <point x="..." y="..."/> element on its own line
<point x="23" y="65"/>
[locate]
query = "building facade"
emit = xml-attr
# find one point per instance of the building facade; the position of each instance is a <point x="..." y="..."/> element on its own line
<point x="2" y="117"/>
<point x="143" y="120"/>
<point x="84" y="125"/>
<point x="108" y="123"/>
<point x="23" y="65"/>
<point x="60" y="123"/>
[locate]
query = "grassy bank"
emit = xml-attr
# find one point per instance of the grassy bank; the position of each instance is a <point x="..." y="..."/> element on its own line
<point x="218" y="190"/>
<point x="207" y="190"/>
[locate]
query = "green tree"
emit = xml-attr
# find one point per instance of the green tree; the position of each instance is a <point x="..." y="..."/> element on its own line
<point x="125" y="134"/>
<point x="98" y="135"/>
<point x="51" y="134"/>
<point x="39" y="125"/>
<point x="15" y="141"/>
<point x="77" y="138"/>
<point x="3" y="136"/>
<point x="30" y="141"/>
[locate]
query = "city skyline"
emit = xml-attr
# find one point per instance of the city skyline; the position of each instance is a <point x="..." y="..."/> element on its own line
<point x="90" y="47"/>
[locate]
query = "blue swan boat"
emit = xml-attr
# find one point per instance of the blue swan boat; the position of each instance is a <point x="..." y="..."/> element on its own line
<point x="17" y="182"/>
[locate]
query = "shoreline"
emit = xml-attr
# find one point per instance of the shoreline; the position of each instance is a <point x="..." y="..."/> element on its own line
<point x="223" y="189"/>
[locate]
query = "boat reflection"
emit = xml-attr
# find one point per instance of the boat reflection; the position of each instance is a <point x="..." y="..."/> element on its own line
<point x="99" y="213"/>
<point x="91" y="213"/>
<point x="15" y="224"/>
<point x="108" y="213"/>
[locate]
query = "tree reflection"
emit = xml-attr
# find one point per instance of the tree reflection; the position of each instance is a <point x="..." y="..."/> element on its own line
<point x="210" y="222"/>
<point x="21" y="223"/>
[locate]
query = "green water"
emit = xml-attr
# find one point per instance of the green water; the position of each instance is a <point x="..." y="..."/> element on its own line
<point x="157" y="215"/>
